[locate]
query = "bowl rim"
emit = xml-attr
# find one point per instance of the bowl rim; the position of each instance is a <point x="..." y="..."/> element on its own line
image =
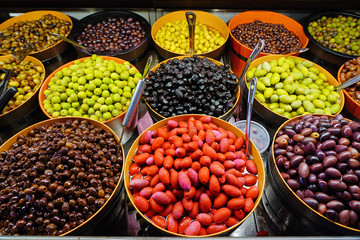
<point x="42" y="79"/>
<point x="258" y="61"/>
<point x="317" y="16"/>
<point x="258" y="14"/>
<point x="230" y="127"/>
<point x="272" y="159"/>
<point x="339" y="81"/>
<point x="93" y="122"/>
<point x="102" y="15"/>
<point x="39" y="14"/>
<point x="237" y="93"/>
<point x="184" y="11"/>
<point x="44" y="85"/>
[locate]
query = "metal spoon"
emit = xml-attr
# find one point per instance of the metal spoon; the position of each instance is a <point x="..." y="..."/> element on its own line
<point x="191" y="19"/>
<point x="250" y="101"/>
<point x="21" y="54"/>
<point x="348" y="83"/>
<point x="296" y="50"/>
<point x="257" y="49"/>
<point x="70" y="41"/>
<point x="135" y="100"/>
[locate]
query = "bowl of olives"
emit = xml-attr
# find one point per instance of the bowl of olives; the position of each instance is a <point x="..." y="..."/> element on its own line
<point x="348" y="70"/>
<point x="170" y="34"/>
<point x="191" y="85"/>
<point x="122" y="34"/>
<point x="33" y="29"/>
<point x="96" y="87"/>
<point x="289" y="86"/>
<point x="334" y="36"/>
<point x="27" y="76"/>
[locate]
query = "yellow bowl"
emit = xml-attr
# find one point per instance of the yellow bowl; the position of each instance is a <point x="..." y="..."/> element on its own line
<point x="302" y="212"/>
<point x="225" y="125"/>
<point x="26" y="107"/>
<point x="205" y="18"/>
<point x="157" y="116"/>
<point x="89" y="226"/>
<point x="266" y="112"/>
<point x="48" y="52"/>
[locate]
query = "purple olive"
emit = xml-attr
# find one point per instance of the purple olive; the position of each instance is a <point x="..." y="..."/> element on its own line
<point x="295" y="185"/>
<point x="344" y="156"/>
<point x="306" y="131"/>
<point x="341" y="148"/>
<point x="309" y="148"/>
<point x="311" y="202"/>
<point x="320" y="154"/>
<point x="344" y="217"/>
<point x="324" y="136"/>
<point x="322" y="197"/>
<point x="330" y="161"/>
<point x="337" y="185"/>
<point x="335" y="131"/>
<point x="303" y="170"/>
<point x="285" y="176"/>
<point x="344" y="141"/>
<point x="298" y="127"/>
<point x="356" y="136"/>
<point x="355" y="205"/>
<point x="350" y="178"/>
<point x="296" y="160"/>
<point x="355" y="191"/>
<point x="333" y="173"/>
<point x="332" y="214"/>
<point x="342" y="167"/>
<point x="331" y="153"/>
<point x="346" y="131"/>
<point x="323" y="185"/>
<point x="300" y="194"/>
<point x="354" y="218"/>
<point x="316" y="167"/>
<point x="336" y="205"/>
<point x="355" y="126"/>
<point x="345" y="196"/>
<point x="309" y="139"/>
<point x="309" y="193"/>
<point x="312" y="178"/>
<point x="353" y="163"/>
<point x="290" y="132"/>
<point x="356" y="145"/>
<point x="329" y="144"/>
<point x="322" y="208"/>
<point x="279" y="151"/>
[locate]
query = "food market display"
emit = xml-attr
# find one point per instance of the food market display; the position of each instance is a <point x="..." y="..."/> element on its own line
<point x="291" y="86"/>
<point x="186" y="174"/>
<point x="26" y="76"/>
<point x="36" y="32"/>
<point x="339" y="33"/>
<point x="57" y="175"/>
<point x="191" y="85"/>
<point x="317" y="156"/>
<point x="95" y="87"/>
<point x="278" y="39"/>
<point x="190" y="176"/>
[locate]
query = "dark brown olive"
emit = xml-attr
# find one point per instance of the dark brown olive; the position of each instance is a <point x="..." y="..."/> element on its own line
<point x="330" y="161"/>
<point x="355" y="205"/>
<point x="350" y="178"/>
<point x="355" y="191"/>
<point x="336" y="205"/>
<point x="337" y="185"/>
<point x="344" y="156"/>
<point x="322" y="197"/>
<point x="311" y="202"/>
<point x="329" y="144"/>
<point x="303" y="170"/>
<point x="333" y="173"/>
<point x="293" y="184"/>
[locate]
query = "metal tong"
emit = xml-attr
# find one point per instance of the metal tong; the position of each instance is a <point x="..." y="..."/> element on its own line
<point x="131" y="112"/>
<point x="191" y="19"/>
<point x="70" y="41"/>
<point x="250" y="101"/>
<point x="6" y="95"/>
<point x="21" y="54"/>
<point x="347" y="83"/>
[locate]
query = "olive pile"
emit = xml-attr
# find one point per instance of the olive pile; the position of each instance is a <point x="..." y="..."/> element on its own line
<point x="318" y="157"/>
<point x="341" y="33"/>
<point x="191" y="85"/>
<point x="36" y="32"/>
<point x="351" y="69"/>
<point x="277" y="37"/>
<point x="26" y="77"/>
<point x="112" y="34"/>
<point x="56" y="177"/>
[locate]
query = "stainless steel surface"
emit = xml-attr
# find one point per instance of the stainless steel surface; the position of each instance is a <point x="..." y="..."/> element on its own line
<point x="191" y="20"/>
<point x="250" y="101"/>
<point x="348" y="83"/>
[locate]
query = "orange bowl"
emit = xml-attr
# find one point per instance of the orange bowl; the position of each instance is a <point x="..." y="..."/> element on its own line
<point x="105" y="212"/>
<point x="351" y="104"/>
<point x="111" y="122"/>
<point x="50" y="51"/>
<point x="220" y="123"/>
<point x="239" y="52"/>
<point x="157" y="116"/>
<point x="26" y="107"/>
<point x="205" y="18"/>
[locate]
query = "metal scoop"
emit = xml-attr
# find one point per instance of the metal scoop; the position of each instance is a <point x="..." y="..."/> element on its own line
<point x="191" y="19"/>
<point x="135" y="100"/>
<point x="250" y="101"/>
<point x="71" y="41"/>
<point x="348" y="83"/>
<point x="21" y="54"/>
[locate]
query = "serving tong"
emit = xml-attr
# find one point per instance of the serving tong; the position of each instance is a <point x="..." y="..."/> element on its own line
<point x="347" y="83"/>
<point x="6" y="95"/>
<point x="191" y="20"/>
<point x="22" y="53"/>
